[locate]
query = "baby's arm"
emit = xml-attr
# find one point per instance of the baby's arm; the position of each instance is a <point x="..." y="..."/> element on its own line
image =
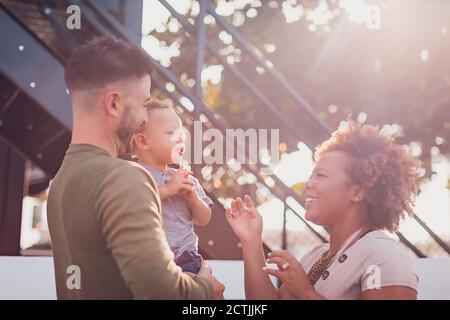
<point x="200" y="211"/>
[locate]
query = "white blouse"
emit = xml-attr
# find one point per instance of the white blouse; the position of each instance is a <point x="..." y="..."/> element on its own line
<point x="374" y="261"/>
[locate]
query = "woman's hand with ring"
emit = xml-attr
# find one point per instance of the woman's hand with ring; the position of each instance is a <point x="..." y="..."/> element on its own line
<point x="292" y="274"/>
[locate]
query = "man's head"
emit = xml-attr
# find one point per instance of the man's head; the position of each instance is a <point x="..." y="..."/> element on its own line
<point x="109" y="81"/>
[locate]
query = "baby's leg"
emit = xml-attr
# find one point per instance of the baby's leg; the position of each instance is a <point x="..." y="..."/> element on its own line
<point x="190" y="262"/>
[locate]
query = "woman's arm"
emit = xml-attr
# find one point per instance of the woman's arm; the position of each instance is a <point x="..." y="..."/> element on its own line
<point x="257" y="284"/>
<point x="247" y="225"/>
<point x="390" y="293"/>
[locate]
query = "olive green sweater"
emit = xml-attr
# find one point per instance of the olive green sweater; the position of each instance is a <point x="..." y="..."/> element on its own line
<point x="104" y="216"/>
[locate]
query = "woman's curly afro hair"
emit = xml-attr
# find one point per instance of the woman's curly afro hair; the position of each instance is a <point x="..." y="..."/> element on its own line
<point x="388" y="174"/>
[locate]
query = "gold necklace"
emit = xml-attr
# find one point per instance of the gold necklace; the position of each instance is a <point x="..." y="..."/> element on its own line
<point x="319" y="267"/>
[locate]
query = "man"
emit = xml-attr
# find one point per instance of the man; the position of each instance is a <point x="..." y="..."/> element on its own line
<point x="104" y="213"/>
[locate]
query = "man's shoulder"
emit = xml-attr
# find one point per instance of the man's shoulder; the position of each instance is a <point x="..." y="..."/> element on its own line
<point x="129" y="170"/>
<point x="127" y="180"/>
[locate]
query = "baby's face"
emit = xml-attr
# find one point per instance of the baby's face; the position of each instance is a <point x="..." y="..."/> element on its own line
<point x="165" y="135"/>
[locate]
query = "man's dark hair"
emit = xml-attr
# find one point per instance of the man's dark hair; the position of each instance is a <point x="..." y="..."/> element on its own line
<point x="104" y="60"/>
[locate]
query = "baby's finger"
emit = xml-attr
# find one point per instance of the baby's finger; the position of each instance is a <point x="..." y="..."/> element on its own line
<point x="188" y="181"/>
<point x="187" y="187"/>
<point x="185" y="172"/>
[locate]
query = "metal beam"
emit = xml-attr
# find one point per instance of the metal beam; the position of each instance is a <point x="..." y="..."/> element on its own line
<point x="200" y="51"/>
<point x="22" y="59"/>
<point x="436" y="238"/>
<point x="133" y="17"/>
<point x="414" y="249"/>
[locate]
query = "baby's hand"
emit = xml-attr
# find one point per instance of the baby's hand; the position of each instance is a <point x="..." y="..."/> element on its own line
<point x="180" y="183"/>
<point x="190" y="196"/>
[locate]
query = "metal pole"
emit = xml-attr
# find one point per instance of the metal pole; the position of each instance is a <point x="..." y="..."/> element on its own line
<point x="200" y="52"/>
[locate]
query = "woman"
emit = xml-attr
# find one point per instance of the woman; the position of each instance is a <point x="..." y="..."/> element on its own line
<point x="362" y="184"/>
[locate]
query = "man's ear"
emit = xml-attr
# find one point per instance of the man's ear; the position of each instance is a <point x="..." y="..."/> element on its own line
<point x="112" y="102"/>
<point x="141" y="141"/>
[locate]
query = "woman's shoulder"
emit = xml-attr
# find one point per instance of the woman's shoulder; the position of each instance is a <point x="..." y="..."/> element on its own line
<point x="379" y="243"/>
<point x="395" y="262"/>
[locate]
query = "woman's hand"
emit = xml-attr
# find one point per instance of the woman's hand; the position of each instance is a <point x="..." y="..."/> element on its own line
<point x="245" y="220"/>
<point x="292" y="274"/>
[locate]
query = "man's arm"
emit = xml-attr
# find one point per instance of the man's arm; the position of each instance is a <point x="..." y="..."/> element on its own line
<point x="128" y="210"/>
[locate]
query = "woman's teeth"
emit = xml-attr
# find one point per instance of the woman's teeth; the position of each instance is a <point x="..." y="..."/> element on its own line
<point x="310" y="200"/>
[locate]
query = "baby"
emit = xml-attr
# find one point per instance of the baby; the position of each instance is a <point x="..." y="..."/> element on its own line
<point x="160" y="143"/>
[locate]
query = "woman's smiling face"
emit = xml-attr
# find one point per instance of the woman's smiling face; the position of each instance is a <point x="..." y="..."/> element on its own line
<point x="329" y="191"/>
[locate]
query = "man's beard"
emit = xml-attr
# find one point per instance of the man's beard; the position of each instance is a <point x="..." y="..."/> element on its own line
<point x="127" y="127"/>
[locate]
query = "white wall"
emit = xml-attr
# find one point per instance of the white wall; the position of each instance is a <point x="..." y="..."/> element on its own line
<point x="33" y="278"/>
<point x="27" y="278"/>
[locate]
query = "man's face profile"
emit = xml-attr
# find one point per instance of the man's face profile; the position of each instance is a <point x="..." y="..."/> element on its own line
<point x="136" y="96"/>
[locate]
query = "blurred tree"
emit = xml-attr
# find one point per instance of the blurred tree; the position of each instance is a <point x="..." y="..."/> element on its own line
<point x="397" y="76"/>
